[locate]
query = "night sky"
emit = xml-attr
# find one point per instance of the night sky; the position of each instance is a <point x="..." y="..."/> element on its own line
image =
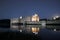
<point x="16" y="8"/>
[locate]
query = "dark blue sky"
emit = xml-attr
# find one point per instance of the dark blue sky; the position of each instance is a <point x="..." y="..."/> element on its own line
<point x="16" y="8"/>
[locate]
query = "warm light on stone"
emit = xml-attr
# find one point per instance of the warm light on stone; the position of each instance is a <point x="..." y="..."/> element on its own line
<point x="35" y="17"/>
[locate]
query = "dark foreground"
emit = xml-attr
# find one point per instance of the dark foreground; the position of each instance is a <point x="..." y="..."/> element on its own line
<point x="43" y="34"/>
<point x="17" y="36"/>
<point x="7" y="34"/>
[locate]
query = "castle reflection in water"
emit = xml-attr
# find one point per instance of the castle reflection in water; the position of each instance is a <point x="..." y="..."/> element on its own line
<point x="34" y="24"/>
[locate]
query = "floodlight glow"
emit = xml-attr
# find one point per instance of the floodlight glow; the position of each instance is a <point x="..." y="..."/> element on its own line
<point x="56" y="17"/>
<point x="20" y="17"/>
<point x="35" y="17"/>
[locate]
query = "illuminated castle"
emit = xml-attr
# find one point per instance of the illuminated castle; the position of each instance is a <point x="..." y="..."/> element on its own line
<point x="34" y="23"/>
<point x="29" y="20"/>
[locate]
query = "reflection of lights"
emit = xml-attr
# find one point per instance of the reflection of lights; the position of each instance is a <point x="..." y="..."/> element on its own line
<point x="20" y="30"/>
<point x="54" y="29"/>
<point x="35" y="30"/>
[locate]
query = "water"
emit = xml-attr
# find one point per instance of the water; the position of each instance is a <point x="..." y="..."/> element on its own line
<point x="43" y="34"/>
<point x="46" y="34"/>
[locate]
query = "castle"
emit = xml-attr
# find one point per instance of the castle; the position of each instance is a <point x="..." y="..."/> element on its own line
<point x="33" y="24"/>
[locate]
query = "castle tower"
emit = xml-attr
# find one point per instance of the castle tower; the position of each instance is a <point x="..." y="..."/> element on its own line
<point x="35" y="17"/>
